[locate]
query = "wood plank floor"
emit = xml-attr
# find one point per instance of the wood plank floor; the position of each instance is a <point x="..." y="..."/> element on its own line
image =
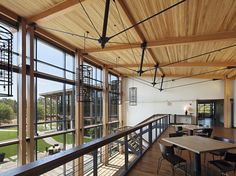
<point x="148" y="163"/>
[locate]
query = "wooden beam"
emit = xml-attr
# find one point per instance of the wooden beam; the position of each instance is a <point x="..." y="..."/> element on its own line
<point x="8" y="13"/>
<point x="30" y="101"/>
<point x="138" y="31"/>
<point x="181" y="64"/>
<point x="205" y="76"/>
<point x="79" y="133"/>
<point x="229" y="35"/>
<point x="105" y="114"/>
<point x="227" y="107"/>
<point x="231" y="74"/>
<point x="22" y="97"/>
<point x="55" y="40"/>
<point x="58" y="9"/>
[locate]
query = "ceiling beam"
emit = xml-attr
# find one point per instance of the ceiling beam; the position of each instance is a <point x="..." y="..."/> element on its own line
<point x="52" y="38"/>
<point x="170" y="41"/>
<point x="8" y="13"/>
<point x="205" y="76"/>
<point x="181" y="64"/>
<point x="58" y="9"/>
<point x="138" y="31"/>
<point x="231" y="74"/>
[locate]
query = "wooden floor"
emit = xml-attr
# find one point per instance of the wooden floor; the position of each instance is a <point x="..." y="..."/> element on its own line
<point x="148" y="163"/>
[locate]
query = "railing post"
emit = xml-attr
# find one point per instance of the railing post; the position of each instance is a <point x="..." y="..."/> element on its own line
<point x="156" y="129"/>
<point x="159" y="125"/>
<point x="95" y="162"/>
<point x="141" y="141"/>
<point x="169" y="118"/>
<point x="150" y="134"/>
<point x="126" y="153"/>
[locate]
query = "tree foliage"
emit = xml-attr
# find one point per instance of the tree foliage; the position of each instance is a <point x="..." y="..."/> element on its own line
<point x="6" y="112"/>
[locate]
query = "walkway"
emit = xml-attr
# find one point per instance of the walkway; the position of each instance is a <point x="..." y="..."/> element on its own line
<point x="148" y="163"/>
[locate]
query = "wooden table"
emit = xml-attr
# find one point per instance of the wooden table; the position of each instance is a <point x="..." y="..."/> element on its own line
<point x="198" y="145"/>
<point x="191" y="128"/>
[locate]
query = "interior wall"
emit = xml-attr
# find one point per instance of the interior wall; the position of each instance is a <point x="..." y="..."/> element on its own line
<point x="172" y="101"/>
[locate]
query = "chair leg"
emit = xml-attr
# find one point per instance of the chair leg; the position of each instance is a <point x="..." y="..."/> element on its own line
<point x="204" y="158"/>
<point x="207" y="169"/>
<point x="159" y="164"/>
<point x="173" y="170"/>
<point x="186" y="170"/>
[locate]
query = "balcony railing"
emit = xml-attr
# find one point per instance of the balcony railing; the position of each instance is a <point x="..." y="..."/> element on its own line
<point x="112" y="154"/>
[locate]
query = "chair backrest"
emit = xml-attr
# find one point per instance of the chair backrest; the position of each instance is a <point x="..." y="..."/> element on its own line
<point x="208" y="131"/>
<point x="166" y="150"/>
<point x="179" y="128"/>
<point x="178" y="134"/>
<point x="223" y="139"/>
<point x="230" y="157"/>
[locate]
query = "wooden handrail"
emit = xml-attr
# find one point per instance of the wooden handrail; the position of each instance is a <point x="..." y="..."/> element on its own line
<point x="48" y="163"/>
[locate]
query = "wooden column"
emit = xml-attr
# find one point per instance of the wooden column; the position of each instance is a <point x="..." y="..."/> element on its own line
<point x="121" y="111"/>
<point x="50" y="106"/>
<point x="79" y="133"/>
<point x="105" y="113"/>
<point x="227" y="108"/>
<point x="57" y="112"/>
<point x="30" y="100"/>
<point x="22" y="96"/>
<point x="45" y="111"/>
<point x="122" y="104"/>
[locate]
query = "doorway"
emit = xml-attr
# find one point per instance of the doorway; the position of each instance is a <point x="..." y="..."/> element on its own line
<point x="210" y="112"/>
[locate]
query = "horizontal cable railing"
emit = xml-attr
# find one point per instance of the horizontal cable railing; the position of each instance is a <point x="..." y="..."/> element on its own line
<point x="114" y="154"/>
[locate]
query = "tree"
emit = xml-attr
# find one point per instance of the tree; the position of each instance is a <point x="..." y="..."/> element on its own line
<point x="6" y="113"/>
<point x="40" y="111"/>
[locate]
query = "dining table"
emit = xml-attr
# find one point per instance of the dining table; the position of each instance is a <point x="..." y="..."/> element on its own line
<point x="199" y="145"/>
<point x="191" y="128"/>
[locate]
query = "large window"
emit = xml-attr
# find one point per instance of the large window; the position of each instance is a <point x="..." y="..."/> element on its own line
<point x="113" y="104"/>
<point x="93" y="108"/>
<point x="9" y="111"/>
<point x="55" y="95"/>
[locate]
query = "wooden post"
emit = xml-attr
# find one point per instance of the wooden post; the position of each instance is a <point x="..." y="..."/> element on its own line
<point x="22" y="97"/>
<point x="30" y="101"/>
<point x="57" y="112"/>
<point x="79" y="134"/>
<point x="105" y="114"/>
<point x="121" y="112"/>
<point x="227" y="108"/>
<point x="50" y="106"/>
<point x="45" y="111"/>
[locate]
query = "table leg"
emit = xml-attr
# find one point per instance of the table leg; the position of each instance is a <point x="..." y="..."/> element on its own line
<point x="190" y="132"/>
<point x="197" y="164"/>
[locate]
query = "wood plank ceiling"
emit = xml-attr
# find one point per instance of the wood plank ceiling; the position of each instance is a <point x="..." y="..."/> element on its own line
<point x="189" y="29"/>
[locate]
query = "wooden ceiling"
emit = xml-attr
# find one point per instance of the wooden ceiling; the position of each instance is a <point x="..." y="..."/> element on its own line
<point x="189" y="29"/>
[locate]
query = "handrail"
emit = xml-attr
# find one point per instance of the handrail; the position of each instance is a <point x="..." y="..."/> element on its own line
<point x="48" y="163"/>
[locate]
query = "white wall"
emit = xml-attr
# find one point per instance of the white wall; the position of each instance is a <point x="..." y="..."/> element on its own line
<point x="152" y="101"/>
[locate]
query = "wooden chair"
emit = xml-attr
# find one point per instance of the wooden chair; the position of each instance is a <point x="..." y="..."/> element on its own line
<point x="177" y="147"/>
<point x="167" y="153"/>
<point x="205" y="132"/>
<point x="220" y="153"/>
<point x="226" y="165"/>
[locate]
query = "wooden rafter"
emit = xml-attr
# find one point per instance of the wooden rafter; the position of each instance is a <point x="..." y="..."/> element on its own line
<point x="231" y="74"/>
<point x="170" y="41"/>
<point x="58" y="9"/>
<point x="180" y="64"/>
<point x="138" y="31"/>
<point x="205" y="76"/>
<point x="8" y="13"/>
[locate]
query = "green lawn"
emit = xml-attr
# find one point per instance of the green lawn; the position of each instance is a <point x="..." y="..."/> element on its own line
<point x="59" y="138"/>
<point x="7" y="135"/>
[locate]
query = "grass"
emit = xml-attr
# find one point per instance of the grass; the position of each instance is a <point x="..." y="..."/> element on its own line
<point x="59" y="138"/>
<point x="7" y="135"/>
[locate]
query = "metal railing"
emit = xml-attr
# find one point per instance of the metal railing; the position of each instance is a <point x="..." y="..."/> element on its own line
<point x="119" y="151"/>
